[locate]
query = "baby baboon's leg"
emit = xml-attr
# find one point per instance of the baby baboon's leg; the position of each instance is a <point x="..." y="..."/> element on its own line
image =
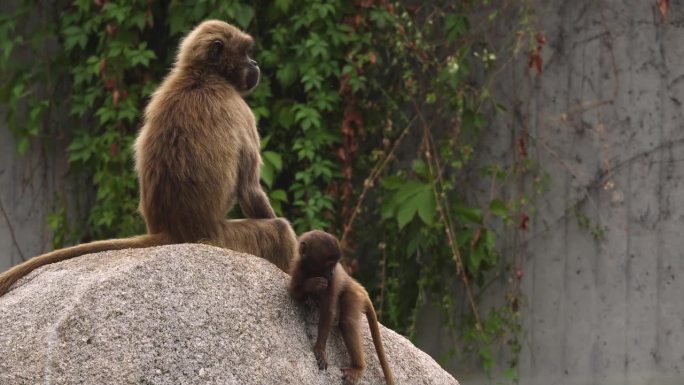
<point x="352" y="303"/>
<point x="326" y="314"/>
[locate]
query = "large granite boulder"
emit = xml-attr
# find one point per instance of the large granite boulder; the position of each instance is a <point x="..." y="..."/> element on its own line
<point x="179" y="314"/>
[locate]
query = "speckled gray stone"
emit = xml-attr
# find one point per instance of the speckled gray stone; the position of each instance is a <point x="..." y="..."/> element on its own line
<point x="179" y="314"/>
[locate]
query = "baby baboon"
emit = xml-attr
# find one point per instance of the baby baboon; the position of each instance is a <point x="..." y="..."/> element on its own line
<point x="197" y="153"/>
<point x="317" y="273"/>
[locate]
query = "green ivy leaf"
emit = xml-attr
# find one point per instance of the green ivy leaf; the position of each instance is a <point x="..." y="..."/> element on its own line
<point x="472" y="120"/>
<point x="22" y="145"/>
<point x="274" y="159"/>
<point x="410" y="199"/>
<point x="471" y="214"/>
<point x="7" y="47"/>
<point x="392" y="182"/>
<point x="118" y="12"/>
<point x="178" y="19"/>
<point x="420" y="168"/>
<point x="285" y="115"/>
<point x="141" y="55"/>
<point x="476" y="257"/>
<point x="74" y="36"/>
<point x="455" y="25"/>
<point x="405" y="214"/>
<point x="267" y="174"/>
<point x="137" y="20"/>
<point x="283" y="5"/>
<point x="312" y="80"/>
<point x="426" y="206"/>
<point x="307" y="117"/>
<point x="244" y="15"/>
<point x="5" y="92"/>
<point x="279" y="195"/>
<point x="286" y="74"/>
<point x="498" y="208"/>
<point x="409" y="190"/>
<point x="490" y="239"/>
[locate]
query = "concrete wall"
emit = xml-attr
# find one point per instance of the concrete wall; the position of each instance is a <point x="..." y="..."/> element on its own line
<point x="34" y="185"/>
<point x="31" y="187"/>
<point x="605" y="119"/>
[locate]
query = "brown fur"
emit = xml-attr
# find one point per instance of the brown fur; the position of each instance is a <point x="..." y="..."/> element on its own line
<point x="317" y="273"/>
<point x="196" y="155"/>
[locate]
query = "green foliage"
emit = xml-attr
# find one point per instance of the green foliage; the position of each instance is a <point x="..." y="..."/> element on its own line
<point x="353" y="93"/>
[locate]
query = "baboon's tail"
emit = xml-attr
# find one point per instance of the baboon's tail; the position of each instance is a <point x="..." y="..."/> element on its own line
<point x="8" y="278"/>
<point x="377" y="341"/>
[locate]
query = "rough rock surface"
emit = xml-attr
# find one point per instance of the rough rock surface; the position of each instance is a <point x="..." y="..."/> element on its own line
<point x="180" y="314"/>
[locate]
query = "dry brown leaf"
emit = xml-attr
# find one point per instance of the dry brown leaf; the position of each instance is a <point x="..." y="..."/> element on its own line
<point x="664" y="7"/>
<point x="535" y="61"/>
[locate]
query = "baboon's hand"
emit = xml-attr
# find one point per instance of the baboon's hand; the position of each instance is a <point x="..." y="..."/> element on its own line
<point x="321" y="359"/>
<point x="315" y="284"/>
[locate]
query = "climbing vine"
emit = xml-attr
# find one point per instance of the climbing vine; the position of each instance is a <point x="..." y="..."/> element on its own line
<point x="370" y="111"/>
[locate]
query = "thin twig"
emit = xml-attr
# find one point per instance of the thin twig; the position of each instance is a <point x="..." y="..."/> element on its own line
<point x="370" y="181"/>
<point x="11" y="230"/>
<point x="448" y="227"/>
<point x="383" y="282"/>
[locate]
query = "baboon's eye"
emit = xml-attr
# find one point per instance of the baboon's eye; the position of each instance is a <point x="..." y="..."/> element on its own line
<point x="215" y="49"/>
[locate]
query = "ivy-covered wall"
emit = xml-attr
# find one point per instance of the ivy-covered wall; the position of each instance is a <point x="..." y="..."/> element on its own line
<point x="370" y="113"/>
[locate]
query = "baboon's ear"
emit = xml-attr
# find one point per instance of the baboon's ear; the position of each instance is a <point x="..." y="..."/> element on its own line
<point x="302" y="248"/>
<point x="215" y="50"/>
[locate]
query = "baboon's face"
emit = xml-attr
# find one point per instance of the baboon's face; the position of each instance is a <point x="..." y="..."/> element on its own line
<point x="231" y="58"/>
<point x="319" y="253"/>
<point x="218" y="47"/>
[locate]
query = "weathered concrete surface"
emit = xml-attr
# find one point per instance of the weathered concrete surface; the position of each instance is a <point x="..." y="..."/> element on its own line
<point x="604" y="119"/>
<point x="37" y="183"/>
<point x="180" y="314"/>
<point x="29" y="186"/>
